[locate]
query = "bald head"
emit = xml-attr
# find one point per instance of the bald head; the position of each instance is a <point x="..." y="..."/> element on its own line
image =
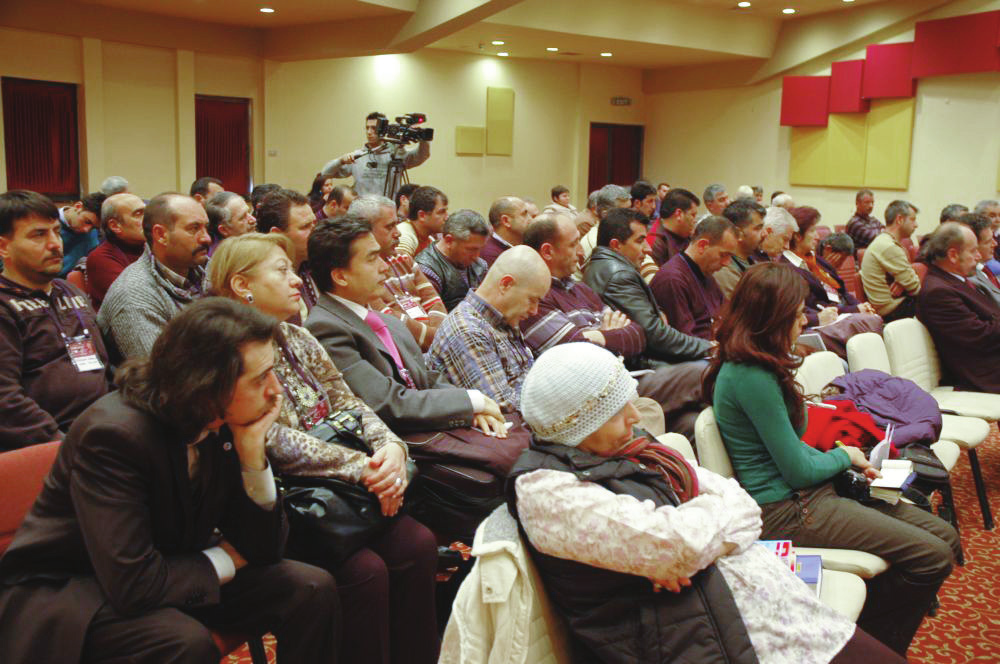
<point x="121" y="214"/>
<point x="509" y="218"/>
<point x="515" y="284"/>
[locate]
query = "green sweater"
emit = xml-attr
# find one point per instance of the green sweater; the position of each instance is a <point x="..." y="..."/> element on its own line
<point x="767" y="453"/>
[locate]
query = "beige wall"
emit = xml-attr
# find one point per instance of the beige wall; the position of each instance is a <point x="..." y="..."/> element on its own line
<point x="732" y="136"/>
<point x="316" y="110"/>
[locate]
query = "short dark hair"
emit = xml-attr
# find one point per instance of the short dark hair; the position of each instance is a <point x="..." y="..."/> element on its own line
<point x="405" y="190"/>
<point x="93" y="202"/>
<point x="18" y="204"/>
<point x="275" y="209"/>
<point x="677" y="199"/>
<point x="188" y="379"/>
<point x="617" y="225"/>
<point x="946" y="236"/>
<point x="897" y="208"/>
<point x="776" y="193"/>
<point x="159" y="212"/>
<point x="863" y="192"/>
<point x="558" y="190"/>
<point x="330" y="246"/>
<point x="640" y="190"/>
<point x="260" y="192"/>
<point x="952" y="212"/>
<point x="200" y="186"/>
<point x="714" y="228"/>
<point x="978" y="223"/>
<point x="740" y="212"/>
<point x="375" y="115"/>
<point x="424" y="199"/>
<point x="839" y="242"/>
<point x="542" y="229"/>
<point x="806" y="217"/>
<point x="337" y="193"/>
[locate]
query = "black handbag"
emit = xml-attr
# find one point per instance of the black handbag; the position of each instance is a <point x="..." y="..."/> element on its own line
<point x="330" y="519"/>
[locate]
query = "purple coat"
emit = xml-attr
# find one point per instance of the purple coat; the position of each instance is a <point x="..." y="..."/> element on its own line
<point x="913" y="413"/>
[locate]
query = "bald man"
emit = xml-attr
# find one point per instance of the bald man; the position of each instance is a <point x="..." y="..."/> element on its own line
<point x="509" y="217"/>
<point x="479" y="345"/>
<point x="121" y="220"/>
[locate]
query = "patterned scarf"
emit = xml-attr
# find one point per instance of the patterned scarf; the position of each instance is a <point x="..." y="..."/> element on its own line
<point x="820" y="273"/>
<point x="668" y="462"/>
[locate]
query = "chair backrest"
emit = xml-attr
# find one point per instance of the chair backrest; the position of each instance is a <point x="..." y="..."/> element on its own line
<point x="911" y="352"/>
<point x="78" y="279"/>
<point x="911" y="249"/>
<point x="22" y="473"/>
<point x="867" y="351"/>
<point x="818" y="370"/>
<point x="921" y="270"/>
<point x="712" y="452"/>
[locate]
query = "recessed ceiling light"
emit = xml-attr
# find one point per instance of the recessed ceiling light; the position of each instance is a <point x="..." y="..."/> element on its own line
<point x="503" y="54"/>
<point x="497" y="42"/>
<point x="606" y="54"/>
<point x="787" y="10"/>
<point x="551" y="49"/>
<point x="848" y="0"/>
<point x="266" y="10"/>
<point x="743" y="4"/>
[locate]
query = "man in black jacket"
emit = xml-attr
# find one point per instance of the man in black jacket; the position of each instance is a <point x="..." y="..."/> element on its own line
<point x="118" y="559"/>
<point x="613" y="273"/>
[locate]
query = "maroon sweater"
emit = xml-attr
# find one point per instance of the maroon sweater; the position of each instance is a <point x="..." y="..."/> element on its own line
<point x="41" y="392"/>
<point x="690" y="299"/>
<point x="105" y="263"/>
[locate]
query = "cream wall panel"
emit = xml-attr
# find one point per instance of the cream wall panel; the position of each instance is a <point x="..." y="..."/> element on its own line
<point x="140" y="121"/>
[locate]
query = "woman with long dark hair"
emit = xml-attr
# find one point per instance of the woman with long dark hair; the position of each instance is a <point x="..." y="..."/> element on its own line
<point x="761" y="415"/>
<point x="321" y="186"/>
<point x="386" y="587"/>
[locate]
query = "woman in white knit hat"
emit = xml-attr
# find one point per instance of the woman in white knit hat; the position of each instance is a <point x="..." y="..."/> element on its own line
<point x="646" y="558"/>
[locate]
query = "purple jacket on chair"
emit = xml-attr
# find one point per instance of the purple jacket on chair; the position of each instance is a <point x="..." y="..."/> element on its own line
<point x="913" y="413"/>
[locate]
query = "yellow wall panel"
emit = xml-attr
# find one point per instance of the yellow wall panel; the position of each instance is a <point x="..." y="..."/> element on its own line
<point x="500" y="121"/>
<point x="890" y="136"/>
<point x="808" y="163"/>
<point x="846" y="141"/>
<point x="470" y="140"/>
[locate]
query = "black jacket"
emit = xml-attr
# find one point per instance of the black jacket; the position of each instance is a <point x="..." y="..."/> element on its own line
<point x="620" y="286"/>
<point x="455" y="282"/>
<point x="117" y="522"/>
<point x="616" y="618"/>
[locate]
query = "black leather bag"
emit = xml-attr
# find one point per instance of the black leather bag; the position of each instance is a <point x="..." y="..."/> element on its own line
<point x="330" y="519"/>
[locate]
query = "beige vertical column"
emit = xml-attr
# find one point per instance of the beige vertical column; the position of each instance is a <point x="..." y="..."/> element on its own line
<point x="186" y="155"/>
<point x="93" y="165"/>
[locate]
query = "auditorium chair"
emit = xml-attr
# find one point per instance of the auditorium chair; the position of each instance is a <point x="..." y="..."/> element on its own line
<point x="912" y="355"/>
<point x="712" y="455"/>
<point x="22" y="473"/>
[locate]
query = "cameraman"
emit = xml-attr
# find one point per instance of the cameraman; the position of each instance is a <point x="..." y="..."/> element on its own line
<point x="370" y="165"/>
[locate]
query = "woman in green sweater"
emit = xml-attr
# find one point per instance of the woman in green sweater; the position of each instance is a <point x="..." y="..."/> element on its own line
<point x="761" y="415"/>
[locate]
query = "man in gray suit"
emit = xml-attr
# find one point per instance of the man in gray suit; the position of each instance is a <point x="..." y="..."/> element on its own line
<point x="380" y="361"/>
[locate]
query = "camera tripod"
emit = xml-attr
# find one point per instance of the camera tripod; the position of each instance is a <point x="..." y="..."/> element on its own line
<point x="396" y="175"/>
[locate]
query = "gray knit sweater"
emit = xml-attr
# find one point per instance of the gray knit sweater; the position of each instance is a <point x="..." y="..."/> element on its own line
<point x="140" y="302"/>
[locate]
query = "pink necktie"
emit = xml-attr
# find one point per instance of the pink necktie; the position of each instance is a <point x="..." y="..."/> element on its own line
<point x="375" y="322"/>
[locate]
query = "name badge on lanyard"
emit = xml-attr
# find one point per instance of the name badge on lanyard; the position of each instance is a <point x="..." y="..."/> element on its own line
<point x="82" y="353"/>
<point x="412" y="307"/>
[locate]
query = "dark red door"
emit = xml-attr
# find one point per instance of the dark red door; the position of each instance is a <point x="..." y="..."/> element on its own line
<point x="615" y="155"/>
<point x="222" y="135"/>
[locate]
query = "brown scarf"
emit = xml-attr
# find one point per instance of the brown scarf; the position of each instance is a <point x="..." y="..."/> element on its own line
<point x="670" y="463"/>
<point x="820" y="273"/>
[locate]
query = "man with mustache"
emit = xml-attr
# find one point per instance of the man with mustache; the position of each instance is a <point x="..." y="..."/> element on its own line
<point x="167" y="277"/>
<point x="52" y="360"/>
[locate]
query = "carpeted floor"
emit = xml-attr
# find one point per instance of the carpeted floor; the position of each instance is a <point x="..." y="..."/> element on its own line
<point x="966" y="629"/>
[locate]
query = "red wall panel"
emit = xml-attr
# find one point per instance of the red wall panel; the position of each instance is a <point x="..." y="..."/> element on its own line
<point x="887" y="71"/>
<point x="958" y="45"/>
<point x="805" y="101"/>
<point x="845" y="87"/>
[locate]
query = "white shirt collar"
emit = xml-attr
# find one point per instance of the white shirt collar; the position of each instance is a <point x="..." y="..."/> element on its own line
<point x="359" y="310"/>
<point x="793" y="258"/>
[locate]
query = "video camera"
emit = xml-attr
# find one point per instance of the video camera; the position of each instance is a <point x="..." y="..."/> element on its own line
<point x="405" y="130"/>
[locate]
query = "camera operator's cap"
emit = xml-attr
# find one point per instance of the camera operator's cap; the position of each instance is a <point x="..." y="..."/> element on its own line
<point x="572" y="390"/>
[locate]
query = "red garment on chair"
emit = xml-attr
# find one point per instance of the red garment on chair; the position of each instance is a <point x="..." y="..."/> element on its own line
<point x="844" y="423"/>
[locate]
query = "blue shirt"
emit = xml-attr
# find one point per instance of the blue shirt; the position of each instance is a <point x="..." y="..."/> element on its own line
<point x="75" y="245"/>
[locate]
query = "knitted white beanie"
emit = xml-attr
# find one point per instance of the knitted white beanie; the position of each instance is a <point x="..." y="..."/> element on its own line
<point x="572" y="390"/>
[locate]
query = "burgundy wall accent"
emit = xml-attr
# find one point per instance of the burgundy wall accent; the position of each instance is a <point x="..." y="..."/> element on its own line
<point x="958" y="45"/>
<point x="887" y="71"/>
<point x="222" y="141"/>
<point x="845" y="87"/>
<point x="805" y="101"/>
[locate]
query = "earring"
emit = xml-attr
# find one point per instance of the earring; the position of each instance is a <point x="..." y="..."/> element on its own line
<point x="249" y="298"/>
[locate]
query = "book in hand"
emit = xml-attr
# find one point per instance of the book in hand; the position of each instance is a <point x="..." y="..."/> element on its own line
<point x="897" y="474"/>
<point x="810" y="570"/>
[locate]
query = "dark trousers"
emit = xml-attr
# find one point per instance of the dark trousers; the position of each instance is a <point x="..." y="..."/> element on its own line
<point x="919" y="547"/>
<point x="906" y="309"/>
<point x="387" y="591"/>
<point x="677" y="388"/>
<point x="294" y="601"/>
<point x="863" y="649"/>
